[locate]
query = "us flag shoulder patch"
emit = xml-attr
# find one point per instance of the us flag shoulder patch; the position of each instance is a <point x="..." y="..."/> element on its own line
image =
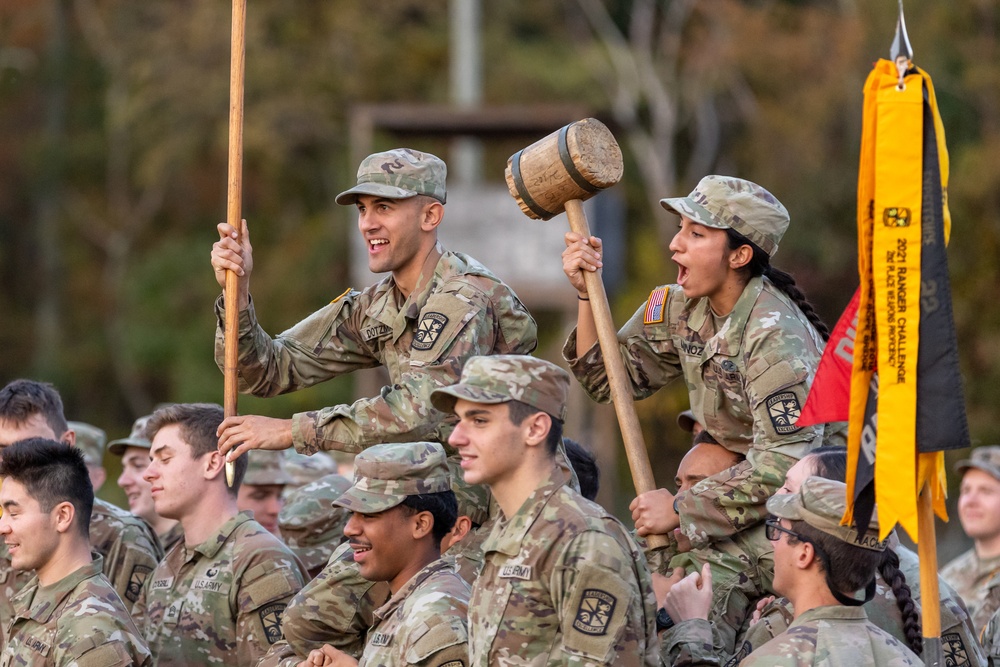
<point x="655" y="306"/>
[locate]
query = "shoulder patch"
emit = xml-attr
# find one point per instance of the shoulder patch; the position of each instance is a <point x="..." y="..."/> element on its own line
<point x="955" y="653"/>
<point x="783" y="408"/>
<point x="346" y="292"/>
<point x="135" y="581"/>
<point x="655" y="306"/>
<point x="595" y="611"/>
<point x="428" y="330"/>
<point x="270" y="621"/>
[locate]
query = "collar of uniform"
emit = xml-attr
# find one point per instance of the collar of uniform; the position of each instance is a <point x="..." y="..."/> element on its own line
<point x="383" y="306"/>
<point x="986" y="565"/>
<point x="835" y="612"/>
<point x="507" y="536"/>
<point x="443" y="563"/>
<point x="726" y="342"/>
<point x="211" y="546"/>
<point x="42" y="601"/>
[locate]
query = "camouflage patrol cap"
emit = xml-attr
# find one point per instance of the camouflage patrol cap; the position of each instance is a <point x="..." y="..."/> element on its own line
<point x="384" y="475"/>
<point x="266" y="468"/>
<point x="307" y="468"/>
<point x="686" y="421"/>
<point x="500" y="378"/>
<point x="89" y="440"/>
<point x="724" y="202"/>
<point x="821" y="503"/>
<point x="399" y="174"/>
<point x="986" y="459"/>
<point x="310" y="527"/>
<point x="137" y="438"/>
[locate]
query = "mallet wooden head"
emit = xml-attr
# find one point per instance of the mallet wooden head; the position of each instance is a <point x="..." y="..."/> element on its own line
<point x="575" y="162"/>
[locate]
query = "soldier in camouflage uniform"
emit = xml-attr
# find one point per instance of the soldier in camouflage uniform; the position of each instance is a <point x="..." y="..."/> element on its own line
<point x="402" y="506"/>
<point x="562" y="582"/>
<point x="30" y="409"/>
<point x="976" y="573"/>
<point x="820" y="565"/>
<point x="310" y="525"/>
<point x="421" y="323"/>
<point x="91" y="441"/>
<point x="308" y="468"/>
<point x="263" y="487"/>
<point x="134" y="453"/>
<point x="68" y="613"/>
<point x="219" y="595"/>
<point x="740" y="334"/>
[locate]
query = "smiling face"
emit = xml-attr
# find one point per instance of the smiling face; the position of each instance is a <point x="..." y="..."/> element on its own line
<point x="28" y="531"/>
<point x="382" y="543"/>
<point x="979" y="505"/>
<point x="137" y="490"/>
<point x="176" y="479"/>
<point x="490" y="444"/>
<point x="393" y="232"/>
<point x="702" y="256"/>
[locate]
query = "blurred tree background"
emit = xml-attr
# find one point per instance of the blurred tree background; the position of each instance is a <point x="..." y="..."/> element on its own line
<point x="113" y="140"/>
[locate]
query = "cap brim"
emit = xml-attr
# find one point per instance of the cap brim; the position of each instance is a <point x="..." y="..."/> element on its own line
<point x="366" y="502"/>
<point x="965" y="464"/>
<point x="118" y="447"/>
<point x="349" y="197"/>
<point x="785" y="506"/>
<point x="445" y="399"/>
<point x="686" y="421"/>
<point x="689" y="208"/>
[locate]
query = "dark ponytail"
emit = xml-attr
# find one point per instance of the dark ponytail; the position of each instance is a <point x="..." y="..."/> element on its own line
<point x="892" y="575"/>
<point x="760" y="265"/>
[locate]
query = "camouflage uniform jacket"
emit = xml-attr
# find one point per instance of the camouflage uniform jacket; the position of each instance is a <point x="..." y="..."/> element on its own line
<point x="747" y="381"/>
<point x="424" y="623"/>
<point x="991" y="641"/>
<point x="458" y="309"/>
<point x="78" y="621"/>
<point x="833" y="635"/>
<point x="562" y="583"/>
<point x="221" y="600"/>
<point x="126" y="543"/>
<point x="978" y="583"/>
<point x="172" y="538"/>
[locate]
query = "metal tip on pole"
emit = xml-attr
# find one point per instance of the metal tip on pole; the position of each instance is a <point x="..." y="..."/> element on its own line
<point x="230" y="473"/>
<point x="901" y="52"/>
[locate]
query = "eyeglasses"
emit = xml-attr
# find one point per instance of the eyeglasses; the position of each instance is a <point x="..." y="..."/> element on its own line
<point x="773" y="530"/>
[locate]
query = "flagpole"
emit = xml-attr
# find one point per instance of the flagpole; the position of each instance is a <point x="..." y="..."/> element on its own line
<point x="930" y="595"/>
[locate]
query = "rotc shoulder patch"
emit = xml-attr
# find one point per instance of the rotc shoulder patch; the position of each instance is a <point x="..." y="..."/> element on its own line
<point x="955" y="653"/>
<point x="428" y="330"/>
<point x="655" y="306"/>
<point x="135" y="581"/>
<point x="595" y="611"/>
<point x="783" y="408"/>
<point x="270" y="620"/>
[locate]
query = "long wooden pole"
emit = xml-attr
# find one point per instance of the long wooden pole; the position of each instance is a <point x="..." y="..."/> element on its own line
<point x="235" y="199"/>
<point x="930" y="595"/>
<point x="621" y="390"/>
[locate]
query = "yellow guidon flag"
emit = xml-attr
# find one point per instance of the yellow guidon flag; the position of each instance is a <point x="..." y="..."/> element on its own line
<point x="905" y="327"/>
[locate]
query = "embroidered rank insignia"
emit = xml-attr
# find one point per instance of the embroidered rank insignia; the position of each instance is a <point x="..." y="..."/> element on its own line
<point x="655" y="306"/>
<point x="346" y="292"/>
<point x="955" y="654"/>
<point x="270" y="619"/>
<point x="428" y="331"/>
<point x="594" y="612"/>
<point x="135" y="581"/>
<point x="783" y="408"/>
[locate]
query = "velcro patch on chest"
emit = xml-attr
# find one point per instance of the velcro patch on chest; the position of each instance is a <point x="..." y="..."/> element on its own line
<point x="381" y="639"/>
<point x="270" y="620"/>
<point x="783" y="408"/>
<point x="375" y="331"/>
<point x="162" y="583"/>
<point x="429" y="330"/>
<point x="515" y="571"/>
<point x="136" y="580"/>
<point x="595" y="611"/>
<point x="36" y="645"/>
<point x="655" y="306"/>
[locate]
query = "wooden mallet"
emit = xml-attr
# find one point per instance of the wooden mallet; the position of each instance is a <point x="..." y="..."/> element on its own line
<point x="558" y="173"/>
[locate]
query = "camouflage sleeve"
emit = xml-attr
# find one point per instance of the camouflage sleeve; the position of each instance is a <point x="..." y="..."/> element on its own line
<point x="732" y="500"/>
<point x="267" y="584"/>
<point x="690" y="643"/>
<point x="402" y="412"/>
<point x="336" y="608"/>
<point x="300" y="357"/>
<point x="605" y="618"/>
<point x="280" y="655"/>
<point x="991" y="640"/>
<point x="651" y="359"/>
<point x="130" y="560"/>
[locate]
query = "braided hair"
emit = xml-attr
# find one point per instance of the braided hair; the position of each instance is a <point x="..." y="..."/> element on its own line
<point x="892" y="575"/>
<point x="760" y="265"/>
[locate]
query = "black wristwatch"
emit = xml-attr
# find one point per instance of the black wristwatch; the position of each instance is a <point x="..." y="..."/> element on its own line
<point x="663" y="620"/>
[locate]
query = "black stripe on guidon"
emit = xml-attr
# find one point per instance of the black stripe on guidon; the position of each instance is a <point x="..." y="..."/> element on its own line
<point x="522" y="192"/>
<point x="567" y="161"/>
